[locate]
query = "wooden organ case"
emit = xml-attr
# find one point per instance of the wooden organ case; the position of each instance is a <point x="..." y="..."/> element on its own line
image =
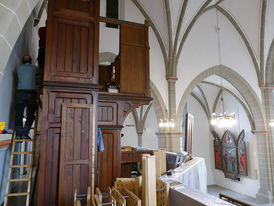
<point x="73" y="106"/>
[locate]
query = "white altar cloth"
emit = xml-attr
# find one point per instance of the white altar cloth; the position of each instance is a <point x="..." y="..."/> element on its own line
<point x="192" y="174"/>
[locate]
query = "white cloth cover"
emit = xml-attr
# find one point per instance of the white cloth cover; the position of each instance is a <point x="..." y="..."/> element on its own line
<point x="191" y="174"/>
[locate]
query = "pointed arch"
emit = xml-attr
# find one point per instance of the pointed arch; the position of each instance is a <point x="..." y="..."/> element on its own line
<point x="239" y="83"/>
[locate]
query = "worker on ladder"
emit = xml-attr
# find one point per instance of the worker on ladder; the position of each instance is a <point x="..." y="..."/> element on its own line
<point x="25" y="97"/>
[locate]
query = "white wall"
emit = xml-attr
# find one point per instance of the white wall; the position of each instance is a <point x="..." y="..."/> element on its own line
<point x="149" y="138"/>
<point x="26" y="44"/>
<point x="109" y="37"/>
<point x="203" y="143"/>
<point x="130" y="137"/>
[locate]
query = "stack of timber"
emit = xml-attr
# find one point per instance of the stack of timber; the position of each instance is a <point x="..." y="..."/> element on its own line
<point x="147" y="188"/>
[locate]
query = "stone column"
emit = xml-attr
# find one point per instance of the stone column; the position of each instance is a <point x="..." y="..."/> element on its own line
<point x="265" y="150"/>
<point x="140" y="141"/>
<point x="172" y="97"/>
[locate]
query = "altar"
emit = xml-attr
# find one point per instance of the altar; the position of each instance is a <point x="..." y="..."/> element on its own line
<point x="192" y="174"/>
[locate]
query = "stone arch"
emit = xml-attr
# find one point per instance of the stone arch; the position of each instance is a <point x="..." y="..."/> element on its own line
<point x="256" y="108"/>
<point x="269" y="68"/>
<point x="14" y="19"/>
<point x="238" y="82"/>
<point x="158" y="101"/>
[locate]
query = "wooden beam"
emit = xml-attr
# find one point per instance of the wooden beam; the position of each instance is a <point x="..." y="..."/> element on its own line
<point x="149" y="181"/>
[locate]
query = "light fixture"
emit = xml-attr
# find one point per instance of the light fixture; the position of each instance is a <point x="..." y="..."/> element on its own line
<point x="167" y="123"/>
<point x="222" y="120"/>
<point x="271" y="123"/>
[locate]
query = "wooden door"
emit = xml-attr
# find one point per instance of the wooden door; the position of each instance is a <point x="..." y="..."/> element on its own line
<point x="77" y="151"/>
<point x="134" y="57"/>
<point x="109" y="159"/>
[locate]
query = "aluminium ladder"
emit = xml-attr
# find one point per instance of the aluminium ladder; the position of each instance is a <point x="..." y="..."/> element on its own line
<point x="30" y="165"/>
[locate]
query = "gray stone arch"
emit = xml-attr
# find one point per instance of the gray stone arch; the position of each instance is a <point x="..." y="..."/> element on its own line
<point x="238" y="82"/>
<point x="269" y="68"/>
<point x="265" y="192"/>
<point x="158" y="101"/>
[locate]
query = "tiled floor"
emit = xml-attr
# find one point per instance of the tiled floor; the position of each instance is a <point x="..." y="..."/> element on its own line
<point x="215" y="190"/>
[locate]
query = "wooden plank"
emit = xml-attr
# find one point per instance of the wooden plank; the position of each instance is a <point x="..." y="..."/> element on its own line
<point x="149" y="181"/>
<point x="17" y="194"/>
<point x="120" y="200"/>
<point x="16" y="166"/>
<point x="160" y="157"/>
<point x="19" y="153"/>
<point x="19" y="180"/>
<point x="132" y="199"/>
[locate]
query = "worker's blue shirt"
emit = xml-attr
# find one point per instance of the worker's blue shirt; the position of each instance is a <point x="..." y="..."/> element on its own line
<point x="26" y="74"/>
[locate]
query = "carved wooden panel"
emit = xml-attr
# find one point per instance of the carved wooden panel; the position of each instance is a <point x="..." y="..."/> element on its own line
<point x="109" y="160"/>
<point x="77" y="151"/>
<point x="107" y="113"/>
<point x="56" y="98"/>
<point x="134" y="74"/>
<point x="71" y="57"/>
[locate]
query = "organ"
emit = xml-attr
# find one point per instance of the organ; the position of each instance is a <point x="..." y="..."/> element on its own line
<point x="75" y="104"/>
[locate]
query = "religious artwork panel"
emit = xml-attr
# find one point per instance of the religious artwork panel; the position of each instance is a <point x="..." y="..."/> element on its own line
<point x="218" y="151"/>
<point x="230" y="163"/>
<point x="242" y="161"/>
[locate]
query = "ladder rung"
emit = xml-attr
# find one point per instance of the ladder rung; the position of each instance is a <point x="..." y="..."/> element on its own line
<point x="15" y="166"/>
<point x="17" y="194"/>
<point x="22" y="140"/>
<point x="21" y="153"/>
<point x="19" y="180"/>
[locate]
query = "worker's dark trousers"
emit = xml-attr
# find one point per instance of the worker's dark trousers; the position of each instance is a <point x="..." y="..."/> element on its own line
<point x="24" y="99"/>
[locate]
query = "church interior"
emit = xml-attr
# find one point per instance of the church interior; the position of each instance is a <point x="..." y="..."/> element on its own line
<point x="139" y="102"/>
